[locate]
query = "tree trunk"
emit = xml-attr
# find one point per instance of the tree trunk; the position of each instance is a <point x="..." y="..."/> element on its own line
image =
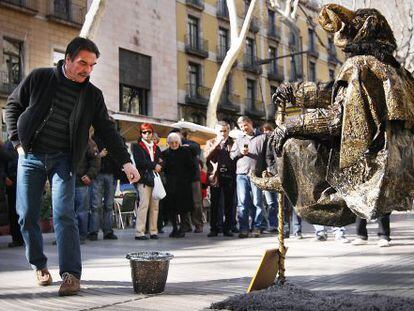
<point x="92" y="19"/>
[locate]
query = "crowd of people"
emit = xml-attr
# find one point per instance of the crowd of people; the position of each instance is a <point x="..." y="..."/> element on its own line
<point x="49" y="118"/>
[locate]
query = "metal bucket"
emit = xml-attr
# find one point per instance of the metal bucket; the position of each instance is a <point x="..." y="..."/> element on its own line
<point x="149" y="271"/>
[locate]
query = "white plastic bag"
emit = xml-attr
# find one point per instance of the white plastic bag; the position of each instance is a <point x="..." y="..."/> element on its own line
<point x="158" y="192"/>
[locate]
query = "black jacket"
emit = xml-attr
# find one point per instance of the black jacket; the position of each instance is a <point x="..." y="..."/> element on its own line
<point x="90" y="164"/>
<point x="109" y="164"/>
<point x="29" y="104"/>
<point x="144" y="164"/>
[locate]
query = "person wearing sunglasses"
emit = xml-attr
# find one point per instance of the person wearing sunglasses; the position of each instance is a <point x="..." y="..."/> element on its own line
<point x="146" y="155"/>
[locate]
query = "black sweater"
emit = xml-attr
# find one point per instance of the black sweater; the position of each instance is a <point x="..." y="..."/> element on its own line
<point x="29" y="104"/>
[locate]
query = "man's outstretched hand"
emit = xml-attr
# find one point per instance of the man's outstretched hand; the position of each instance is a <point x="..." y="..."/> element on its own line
<point x="131" y="172"/>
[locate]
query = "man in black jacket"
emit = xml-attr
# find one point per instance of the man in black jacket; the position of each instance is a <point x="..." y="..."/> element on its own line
<point x="102" y="195"/>
<point x="48" y="117"/>
<point x="222" y="180"/>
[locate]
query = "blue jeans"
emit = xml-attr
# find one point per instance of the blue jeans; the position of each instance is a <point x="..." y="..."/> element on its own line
<point x="296" y="222"/>
<point x="102" y="187"/>
<point x="32" y="172"/>
<point x="273" y="207"/>
<point x="250" y="203"/>
<point x="82" y="210"/>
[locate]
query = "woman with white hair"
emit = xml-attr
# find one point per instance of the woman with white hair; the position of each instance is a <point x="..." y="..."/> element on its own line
<point x="179" y="171"/>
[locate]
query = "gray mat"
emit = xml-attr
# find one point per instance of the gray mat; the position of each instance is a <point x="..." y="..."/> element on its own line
<point x="292" y="297"/>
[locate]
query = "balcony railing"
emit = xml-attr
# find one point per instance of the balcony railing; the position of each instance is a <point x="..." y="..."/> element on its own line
<point x="229" y="102"/>
<point x="294" y="78"/>
<point x="196" y="46"/>
<point x="254" y="106"/>
<point x="6" y="86"/>
<point x="275" y="73"/>
<point x="313" y="52"/>
<point x="25" y="6"/>
<point x="272" y="33"/>
<point x="250" y="64"/>
<point x="197" y="4"/>
<point x="197" y="94"/>
<point x="254" y="23"/>
<point x="222" y="10"/>
<point x="72" y="15"/>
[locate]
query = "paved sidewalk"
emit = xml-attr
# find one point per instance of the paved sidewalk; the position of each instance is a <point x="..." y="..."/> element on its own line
<point x="206" y="270"/>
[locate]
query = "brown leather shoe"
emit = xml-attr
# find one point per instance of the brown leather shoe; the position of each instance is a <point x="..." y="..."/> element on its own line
<point x="70" y="285"/>
<point x="43" y="277"/>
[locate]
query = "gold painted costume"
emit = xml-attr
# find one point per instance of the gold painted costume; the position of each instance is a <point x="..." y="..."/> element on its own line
<point x="355" y="152"/>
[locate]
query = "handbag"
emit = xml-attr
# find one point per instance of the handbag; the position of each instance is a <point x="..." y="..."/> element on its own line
<point x="158" y="192"/>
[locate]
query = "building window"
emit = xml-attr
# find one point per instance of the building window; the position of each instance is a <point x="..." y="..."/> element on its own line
<point x="223" y="42"/>
<point x="273" y="62"/>
<point x="134" y="82"/>
<point x="12" y="66"/>
<point x="312" y="71"/>
<point x="272" y="23"/>
<point x="61" y="9"/>
<point x="193" y="31"/>
<point x="251" y="93"/>
<point x="197" y="118"/>
<point x="293" y="69"/>
<point x="246" y="6"/>
<point x="222" y="10"/>
<point x="194" y="79"/>
<point x="57" y="56"/>
<point x="311" y="43"/>
<point x="272" y="106"/>
<point x="133" y="99"/>
<point x="250" y="51"/>
<point x="331" y="74"/>
<point x="225" y="93"/>
<point x="292" y="40"/>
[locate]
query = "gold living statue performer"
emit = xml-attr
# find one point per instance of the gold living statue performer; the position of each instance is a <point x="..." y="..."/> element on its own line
<point x="353" y="153"/>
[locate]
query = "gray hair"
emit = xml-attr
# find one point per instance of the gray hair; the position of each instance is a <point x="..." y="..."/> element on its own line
<point x="244" y="119"/>
<point x="174" y="137"/>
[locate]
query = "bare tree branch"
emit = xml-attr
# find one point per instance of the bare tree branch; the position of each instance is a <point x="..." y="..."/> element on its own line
<point x="92" y="19"/>
<point x="231" y="56"/>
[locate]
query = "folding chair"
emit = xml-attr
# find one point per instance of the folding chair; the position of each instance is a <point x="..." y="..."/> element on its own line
<point x="125" y="206"/>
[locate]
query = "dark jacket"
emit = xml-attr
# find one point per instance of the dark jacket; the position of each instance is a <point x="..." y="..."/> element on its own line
<point x="143" y="162"/>
<point x="109" y="164"/>
<point x="226" y="167"/>
<point x="195" y="152"/>
<point x="29" y="104"/>
<point x="90" y="164"/>
<point x="179" y="169"/>
<point x="11" y="168"/>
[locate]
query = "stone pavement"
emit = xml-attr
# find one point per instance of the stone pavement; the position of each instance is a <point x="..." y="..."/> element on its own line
<point x="206" y="270"/>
